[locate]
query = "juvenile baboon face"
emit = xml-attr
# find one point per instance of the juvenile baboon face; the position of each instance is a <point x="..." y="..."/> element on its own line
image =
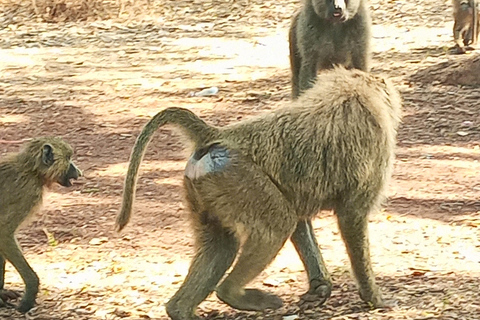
<point x="54" y="162"/>
<point x="72" y="173"/>
<point x="336" y="10"/>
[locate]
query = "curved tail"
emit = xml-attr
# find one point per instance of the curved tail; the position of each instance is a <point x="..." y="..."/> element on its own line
<point x="195" y="128"/>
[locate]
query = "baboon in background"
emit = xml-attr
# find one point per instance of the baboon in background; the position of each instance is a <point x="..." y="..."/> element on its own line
<point x="23" y="176"/>
<point x="324" y="33"/>
<point x="467" y="23"/>
<point x="248" y="184"/>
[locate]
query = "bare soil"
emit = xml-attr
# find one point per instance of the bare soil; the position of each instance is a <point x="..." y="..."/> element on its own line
<point x="96" y="83"/>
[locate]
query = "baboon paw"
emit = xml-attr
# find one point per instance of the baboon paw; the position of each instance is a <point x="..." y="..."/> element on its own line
<point x="6" y="295"/>
<point x="375" y="301"/>
<point x="263" y="300"/>
<point x="319" y="292"/>
<point x="5" y="303"/>
<point x="25" y="306"/>
<point x="253" y="300"/>
<point x="461" y="50"/>
<point x="176" y="313"/>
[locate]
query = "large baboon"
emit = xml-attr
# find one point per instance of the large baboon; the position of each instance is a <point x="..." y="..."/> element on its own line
<point x="248" y="184"/>
<point x="467" y="23"/>
<point x="23" y="176"/>
<point x="324" y="33"/>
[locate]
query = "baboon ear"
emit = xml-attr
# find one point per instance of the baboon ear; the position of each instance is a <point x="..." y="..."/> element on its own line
<point x="47" y="155"/>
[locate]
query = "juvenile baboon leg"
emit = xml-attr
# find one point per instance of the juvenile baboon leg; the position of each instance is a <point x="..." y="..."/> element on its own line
<point x="5" y="295"/>
<point x="306" y="245"/>
<point x="216" y="251"/>
<point x="16" y="258"/>
<point x="353" y="226"/>
<point x="2" y="272"/>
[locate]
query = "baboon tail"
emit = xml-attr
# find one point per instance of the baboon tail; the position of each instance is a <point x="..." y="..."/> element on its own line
<point x="194" y="127"/>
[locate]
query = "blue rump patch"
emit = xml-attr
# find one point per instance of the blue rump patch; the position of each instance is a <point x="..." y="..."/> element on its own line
<point x="206" y="160"/>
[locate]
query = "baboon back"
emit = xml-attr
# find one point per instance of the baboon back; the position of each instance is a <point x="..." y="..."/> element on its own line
<point x="328" y="146"/>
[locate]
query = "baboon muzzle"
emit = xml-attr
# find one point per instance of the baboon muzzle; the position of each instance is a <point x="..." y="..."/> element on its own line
<point x="72" y="173"/>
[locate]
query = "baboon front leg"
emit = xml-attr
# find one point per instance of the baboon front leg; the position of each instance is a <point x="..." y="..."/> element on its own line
<point x="354" y="229"/>
<point x="308" y="73"/>
<point x="16" y="258"/>
<point x="257" y="252"/>
<point x="217" y="248"/>
<point x="295" y="58"/>
<point x="306" y="245"/>
<point x="295" y="62"/>
<point x="457" y="38"/>
<point x="360" y="58"/>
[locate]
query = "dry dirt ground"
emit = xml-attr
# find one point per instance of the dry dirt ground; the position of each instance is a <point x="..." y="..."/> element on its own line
<point x="97" y="83"/>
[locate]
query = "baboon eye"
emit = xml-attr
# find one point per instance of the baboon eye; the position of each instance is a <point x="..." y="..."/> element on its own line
<point x="47" y="155"/>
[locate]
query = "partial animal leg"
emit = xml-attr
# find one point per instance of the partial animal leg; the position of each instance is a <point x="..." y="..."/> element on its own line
<point x="457" y="32"/>
<point x="308" y="73"/>
<point x="268" y="221"/>
<point x="216" y="251"/>
<point x="245" y="198"/>
<point x="295" y="57"/>
<point x="257" y="252"/>
<point x="5" y="295"/>
<point x="354" y="229"/>
<point x="306" y="245"/>
<point x="2" y="272"/>
<point x="16" y="258"/>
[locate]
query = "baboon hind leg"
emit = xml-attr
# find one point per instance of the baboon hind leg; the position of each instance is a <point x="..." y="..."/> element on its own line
<point x="16" y="258"/>
<point x="457" y="34"/>
<point x="216" y="251"/>
<point x="269" y="221"/>
<point x="257" y="252"/>
<point x="306" y="245"/>
<point x="353" y="225"/>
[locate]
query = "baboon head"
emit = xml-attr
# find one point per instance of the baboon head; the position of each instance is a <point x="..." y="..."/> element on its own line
<point x="336" y="11"/>
<point x="465" y="5"/>
<point x="51" y="160"/>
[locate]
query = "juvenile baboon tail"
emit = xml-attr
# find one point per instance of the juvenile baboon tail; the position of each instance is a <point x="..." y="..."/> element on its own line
<point x="194" y="127"/>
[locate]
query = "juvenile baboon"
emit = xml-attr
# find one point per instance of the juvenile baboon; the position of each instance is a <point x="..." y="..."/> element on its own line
<point x="23" y="176"/>
<point x="467" y="23"/>
<point x="248" y="184"/>
<point x="324" y="33"/>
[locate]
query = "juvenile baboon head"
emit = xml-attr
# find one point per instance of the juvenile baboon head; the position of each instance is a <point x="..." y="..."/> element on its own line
<point x="50" y="159"/>
<point x="336" y="10"/>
